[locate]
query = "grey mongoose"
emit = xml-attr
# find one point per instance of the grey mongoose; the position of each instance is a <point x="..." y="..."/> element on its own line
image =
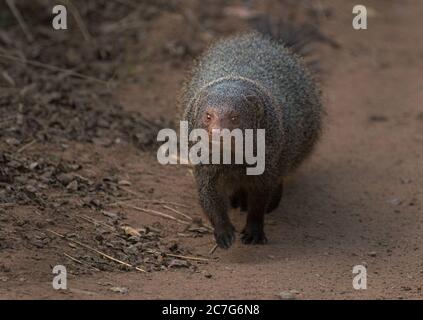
<point x="250" y="81"/>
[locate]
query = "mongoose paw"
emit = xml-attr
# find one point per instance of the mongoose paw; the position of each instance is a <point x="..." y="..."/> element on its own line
<point x="225" y="236"/>
<point x="253" y="236"/>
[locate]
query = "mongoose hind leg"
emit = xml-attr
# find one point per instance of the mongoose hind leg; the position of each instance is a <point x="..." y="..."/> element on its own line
<point x="239" y="200"/>
<point x="276" y="198"/>
<point x="253" y="232"/>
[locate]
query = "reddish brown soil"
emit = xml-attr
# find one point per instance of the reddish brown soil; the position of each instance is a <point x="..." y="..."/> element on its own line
<point x="358" y="200"/>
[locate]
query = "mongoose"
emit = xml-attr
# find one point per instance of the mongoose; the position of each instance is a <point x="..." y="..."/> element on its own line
<point x="249" y="82"/>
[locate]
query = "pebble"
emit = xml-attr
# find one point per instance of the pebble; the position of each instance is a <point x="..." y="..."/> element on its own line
<point x="178" y="263"/>
<point x="286" y="295"/>
<point x="65" y="178"/>
<point x="121" y="290"/>
<point x="73" y="186"/>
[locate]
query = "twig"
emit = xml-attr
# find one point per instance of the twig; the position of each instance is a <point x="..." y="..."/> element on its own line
<point x="165" y="202"/>
<point x="18" y="16"/>
<point x="155" y="201"/>
<point x="156" y="213"/>
<point x="8" y="78"/>
<point x="177" y="212"/>
<point x="96" y="251"/>
<point x="187" y="216"/>
<point x="79" y="21"/>
<point x="94" y="221"/>
<point x="80" y="262"/>
<point x="83" y="178"/>
<point x="67" y="72"/>
<point x="186" y="257"/>
<point x="130" y="191"/>
<point x="213" y="249"/>
<point x="127" y="2"/>
<point x="26" y="146"/>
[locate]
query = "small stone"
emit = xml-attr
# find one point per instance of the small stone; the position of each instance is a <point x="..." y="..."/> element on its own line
<point x="109" y="214"/>
<point x="178" y="263"/>
<point x="286" y="295"/>
<point x="130" y="231"/>
<point x="406" y="180"/>
<point x="65" y="178"/>
<point x="95" y="202"/>
<point x="395" y="201"/>
<point x="31" y="189"/>
<point x="73" y="186"/>
<point x="372" y="253"/>
<point x="12" y="142"/>
<point x="378" y="118"/>
<point x="124" y="183"/>
<point x="104" y="142"/>
<point x="33" y="165"/>
<point x="121" y="290"/>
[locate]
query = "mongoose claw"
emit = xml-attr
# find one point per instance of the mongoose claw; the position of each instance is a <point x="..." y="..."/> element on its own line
<point x="225" y="237"/>
<point x="253" y="237"/>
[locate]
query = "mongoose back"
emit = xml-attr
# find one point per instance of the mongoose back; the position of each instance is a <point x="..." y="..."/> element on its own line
<point x="251" y="82"/>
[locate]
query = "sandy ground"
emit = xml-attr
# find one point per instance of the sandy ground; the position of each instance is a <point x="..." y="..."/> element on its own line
<point x="357" y="201"/>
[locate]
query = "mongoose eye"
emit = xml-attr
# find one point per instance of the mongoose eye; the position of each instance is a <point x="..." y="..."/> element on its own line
<point x="234" y="118"/>
<point x="208" y="116"/>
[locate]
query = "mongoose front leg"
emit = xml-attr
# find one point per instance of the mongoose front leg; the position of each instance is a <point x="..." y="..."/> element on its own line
<point x="239" y="200"/>
<point x="215" y="206"/>
<point x="253" y="232"/>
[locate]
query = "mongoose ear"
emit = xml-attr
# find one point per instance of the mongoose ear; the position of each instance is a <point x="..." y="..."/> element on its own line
<point x="252" y="99"/>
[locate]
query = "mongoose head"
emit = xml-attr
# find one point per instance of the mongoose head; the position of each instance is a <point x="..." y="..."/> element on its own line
<point x="229" y="105"/>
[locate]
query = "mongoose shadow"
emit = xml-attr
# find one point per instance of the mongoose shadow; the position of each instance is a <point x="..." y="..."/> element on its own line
<point x="320" y="214"/>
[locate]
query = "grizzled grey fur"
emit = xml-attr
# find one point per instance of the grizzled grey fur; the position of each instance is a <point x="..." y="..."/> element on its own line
<point x="271" y="88"/>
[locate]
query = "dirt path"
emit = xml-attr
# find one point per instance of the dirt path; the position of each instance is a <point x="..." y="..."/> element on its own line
<point x="358" y="200"/>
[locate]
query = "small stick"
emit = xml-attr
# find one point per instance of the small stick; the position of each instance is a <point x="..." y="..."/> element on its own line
<point x="186" y="257"/>
<point x="82" y="178"/>
<point x="186" y="216"/>
<point x="177" y="212"/>
<point x="26" y="146"/>
<point x="130" y="191"/>
<point x="18" y="16"/>
<point x="94" y="221"/>
<point x="96" y="251"/>
<point x="213" y="249"/>
<point x="154" y="201"/>
<point x="8" y="78"/>
<point x="80" y="262"/>
<point x="79" y="21"/>
<point x="128" y="3"/>
<point x="156" y="213"/>
<point x="165" y="202"/>
<point x="67" y="72"/>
